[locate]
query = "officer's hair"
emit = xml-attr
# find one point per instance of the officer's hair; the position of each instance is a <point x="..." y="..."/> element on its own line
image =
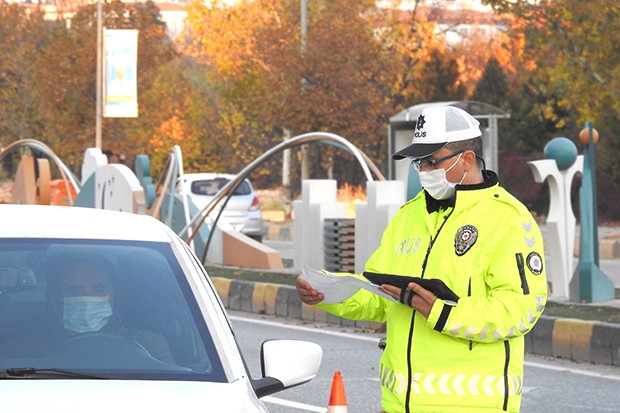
<point x="474" y="144"/>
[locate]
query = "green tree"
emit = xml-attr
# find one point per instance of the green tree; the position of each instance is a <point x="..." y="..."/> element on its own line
<point x="492" y="87"/>
<point x="442" y="80"/>
<point x="575" y="45"/>
<point x="521" y="132"/>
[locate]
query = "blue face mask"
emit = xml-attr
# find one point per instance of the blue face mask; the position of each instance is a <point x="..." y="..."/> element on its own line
<point x="86" y="314"/>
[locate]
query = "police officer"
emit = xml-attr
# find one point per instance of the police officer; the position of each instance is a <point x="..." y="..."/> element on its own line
<point x="453" y="355"/>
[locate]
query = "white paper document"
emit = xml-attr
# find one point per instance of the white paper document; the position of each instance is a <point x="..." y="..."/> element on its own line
<point x="337" y="288"/>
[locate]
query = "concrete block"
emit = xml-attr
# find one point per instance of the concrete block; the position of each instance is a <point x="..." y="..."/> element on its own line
<point x="258" y="298"/>
<point x="602" y="343"/>
<point x="307" y="312"/>
<point x="313" y="313"/>
<point x="234" y="297"/>
<point x="320" y="315"/>
<point x="294" y="302"/>
<point x="241" y="295"/>
<point x="571" y="339"/>
<point x="247" y="289"/>
<point x="347" y="323"/>
<point x="288" y="303"/>
<point x="271" y="295"/>
<point x="334" y="319"/>
<point x="242" y="251"/>
<point x="373" y="326"/>
<point x="615" y="348"/>
<point x="222" y="286"/>
<point x="609" y="249"/>
<point x="542" y="342"/>
<point x="282" y="302"/>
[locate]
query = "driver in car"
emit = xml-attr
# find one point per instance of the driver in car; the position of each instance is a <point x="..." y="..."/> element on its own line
<point x="81" y="296"/>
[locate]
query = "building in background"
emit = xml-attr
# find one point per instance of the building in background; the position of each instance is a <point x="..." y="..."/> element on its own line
<point x="456" y="18"/>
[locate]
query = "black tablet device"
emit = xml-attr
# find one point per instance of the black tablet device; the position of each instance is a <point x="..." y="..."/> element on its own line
<point x="437" y="287"/>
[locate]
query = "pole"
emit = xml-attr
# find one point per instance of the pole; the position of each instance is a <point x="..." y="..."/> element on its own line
<point x="590" y="282"/>
<point x="304" y="24"/>
<point x="98" y="109"/>
<point x="286" y="176"/>
<point x="305" y="173"/>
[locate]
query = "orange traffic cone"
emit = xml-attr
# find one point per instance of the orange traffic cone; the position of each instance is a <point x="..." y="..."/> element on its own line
<point x="337" y="399"/>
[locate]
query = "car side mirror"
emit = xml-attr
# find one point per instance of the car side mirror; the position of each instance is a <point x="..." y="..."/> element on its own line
<point x="287" y="363"/>
<point x="13" y="278"/>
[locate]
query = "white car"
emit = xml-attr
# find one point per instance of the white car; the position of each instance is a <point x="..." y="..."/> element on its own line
<point x="242" y="211"/>
<point x="106" y="311"/>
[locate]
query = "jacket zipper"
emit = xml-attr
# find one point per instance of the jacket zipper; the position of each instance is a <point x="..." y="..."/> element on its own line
<point x="521" y="267"/>
<point x="410" y="340"/>
<point x="507" y="363"/>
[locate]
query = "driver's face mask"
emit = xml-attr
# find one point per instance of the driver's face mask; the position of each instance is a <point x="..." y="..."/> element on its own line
<point x="86" y="314"/>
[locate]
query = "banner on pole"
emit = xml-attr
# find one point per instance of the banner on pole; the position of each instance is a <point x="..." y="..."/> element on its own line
<point x="120" y="69"/>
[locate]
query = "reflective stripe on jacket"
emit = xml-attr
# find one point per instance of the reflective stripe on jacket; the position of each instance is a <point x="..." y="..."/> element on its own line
<point x="465" y="358"/>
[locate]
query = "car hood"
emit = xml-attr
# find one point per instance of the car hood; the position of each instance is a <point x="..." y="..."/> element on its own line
<point x="119" y="396"/>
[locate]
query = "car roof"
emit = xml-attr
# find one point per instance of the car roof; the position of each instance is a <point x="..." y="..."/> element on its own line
<point x="207" y="175"/>
<point x="47" y="221"/>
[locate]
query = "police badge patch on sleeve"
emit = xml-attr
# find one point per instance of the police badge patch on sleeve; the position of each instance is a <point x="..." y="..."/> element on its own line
<point x="535" y="263"/>
<point x="465" y="238"/>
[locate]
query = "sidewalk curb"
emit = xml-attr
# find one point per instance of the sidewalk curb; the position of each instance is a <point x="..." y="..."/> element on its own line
<point x="280" y="300"/>
<point x="579" y="340"/>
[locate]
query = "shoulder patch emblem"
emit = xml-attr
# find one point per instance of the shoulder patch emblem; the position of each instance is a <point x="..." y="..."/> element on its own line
<point x="534" y="263"/>
<point x="465" y="238"/>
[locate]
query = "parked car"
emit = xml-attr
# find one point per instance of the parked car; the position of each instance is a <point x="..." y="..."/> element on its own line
<point x="242" y="211"/>
<point x="107" y="311"/>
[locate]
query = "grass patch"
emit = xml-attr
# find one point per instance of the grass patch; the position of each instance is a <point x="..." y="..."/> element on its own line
<point x="583" y="312"/>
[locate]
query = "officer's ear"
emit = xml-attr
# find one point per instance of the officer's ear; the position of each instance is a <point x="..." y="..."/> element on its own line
<point x="469" y="160"/>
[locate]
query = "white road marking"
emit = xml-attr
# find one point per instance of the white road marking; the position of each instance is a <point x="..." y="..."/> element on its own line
<point x="307" y="329"/>
<point x="572" y="370"/>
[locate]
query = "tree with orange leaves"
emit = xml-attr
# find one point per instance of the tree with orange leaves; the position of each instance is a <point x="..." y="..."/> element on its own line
<point x="573" y="48"/>
<point x="358" y="65"/>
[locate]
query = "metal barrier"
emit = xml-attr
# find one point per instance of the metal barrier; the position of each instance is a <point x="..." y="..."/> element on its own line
<point x="339" y="243"/>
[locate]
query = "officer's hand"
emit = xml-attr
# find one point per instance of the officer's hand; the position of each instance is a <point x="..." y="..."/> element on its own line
<point x="308" y="294"/>
<point x="415" y="296"/>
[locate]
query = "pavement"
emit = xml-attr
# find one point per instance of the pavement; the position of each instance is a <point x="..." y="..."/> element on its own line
<point x="574" y="339"/>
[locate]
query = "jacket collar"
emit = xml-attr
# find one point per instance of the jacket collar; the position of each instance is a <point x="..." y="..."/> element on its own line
<point x="466" y="194"/>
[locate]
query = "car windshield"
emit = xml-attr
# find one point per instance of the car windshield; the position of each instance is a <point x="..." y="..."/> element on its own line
<point x="118" y="309"/>
<point x="211" y="187"/>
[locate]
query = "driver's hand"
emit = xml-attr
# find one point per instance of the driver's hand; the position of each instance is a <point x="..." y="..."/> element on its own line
<point x="422" y="300"/>
<point x="307" y="294"/>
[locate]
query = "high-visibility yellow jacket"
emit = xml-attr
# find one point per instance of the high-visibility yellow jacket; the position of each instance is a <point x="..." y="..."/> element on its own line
<point x="466" y="357"/>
